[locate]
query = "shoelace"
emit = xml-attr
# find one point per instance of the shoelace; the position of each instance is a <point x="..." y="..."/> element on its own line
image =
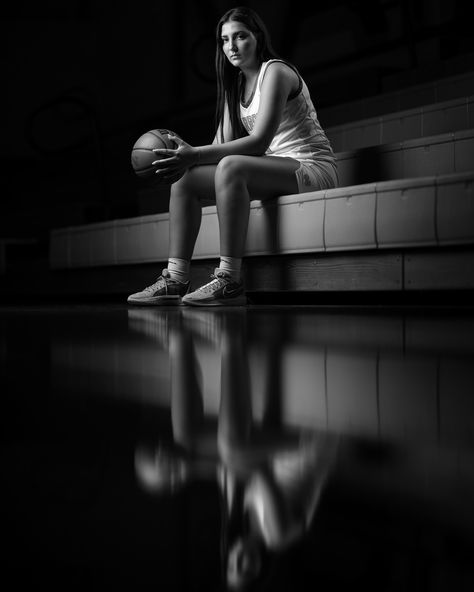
<point x="158" y="284"/>
<point x="216" y="282"/>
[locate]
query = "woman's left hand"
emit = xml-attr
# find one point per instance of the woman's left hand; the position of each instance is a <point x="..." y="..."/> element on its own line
<point x="172" y="163"/>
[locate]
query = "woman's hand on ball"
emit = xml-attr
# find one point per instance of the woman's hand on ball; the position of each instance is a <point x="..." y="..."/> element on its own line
<point x="173" y="161"/>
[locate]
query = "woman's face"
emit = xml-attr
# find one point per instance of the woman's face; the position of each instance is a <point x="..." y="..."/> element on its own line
<point x="239" y="45"/>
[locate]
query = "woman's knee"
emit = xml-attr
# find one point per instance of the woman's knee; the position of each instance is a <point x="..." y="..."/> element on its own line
<point x="197" y="183"/>
<point x="230" y="169"/>
<point x="184" y="185"/>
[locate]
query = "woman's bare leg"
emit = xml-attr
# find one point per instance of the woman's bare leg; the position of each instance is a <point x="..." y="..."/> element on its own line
<point x="185" y="209"/>
<point x="232" y="183"/>
<point x="238" y="179"/>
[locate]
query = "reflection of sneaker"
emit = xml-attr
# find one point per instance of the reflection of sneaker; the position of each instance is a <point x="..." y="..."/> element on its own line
<point x="155" y="323"/>
<point x="204" y="324"/>
<point x="222" y="290"/>
<point x="164" y="291"/>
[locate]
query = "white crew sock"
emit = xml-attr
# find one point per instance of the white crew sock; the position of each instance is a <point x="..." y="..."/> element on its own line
<point x="178" y="269"/>
<point x="232" y="266"/>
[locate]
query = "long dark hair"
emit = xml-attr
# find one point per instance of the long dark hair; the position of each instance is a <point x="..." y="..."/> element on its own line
<point x="228" y="80"/>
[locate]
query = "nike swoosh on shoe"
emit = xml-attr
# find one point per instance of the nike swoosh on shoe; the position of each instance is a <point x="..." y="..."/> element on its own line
<point x="229" y="292"/>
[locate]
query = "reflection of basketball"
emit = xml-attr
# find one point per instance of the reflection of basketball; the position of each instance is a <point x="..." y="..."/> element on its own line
<point x="143" y="155"/>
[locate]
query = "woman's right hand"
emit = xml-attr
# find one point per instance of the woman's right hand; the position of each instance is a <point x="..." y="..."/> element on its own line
<point x="174" y="162"/>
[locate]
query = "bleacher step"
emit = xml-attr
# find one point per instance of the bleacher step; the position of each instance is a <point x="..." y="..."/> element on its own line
<point x="431" y="211"/>
<point x="399" y="126"/>
<point x="409" y="97"/>
<point x="432" y="155"/>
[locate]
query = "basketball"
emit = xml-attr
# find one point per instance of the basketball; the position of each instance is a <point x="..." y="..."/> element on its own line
<point x="143" y="155"/>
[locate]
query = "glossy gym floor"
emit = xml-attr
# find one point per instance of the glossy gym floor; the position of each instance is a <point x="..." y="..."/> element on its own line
<point x="257" y="448"/>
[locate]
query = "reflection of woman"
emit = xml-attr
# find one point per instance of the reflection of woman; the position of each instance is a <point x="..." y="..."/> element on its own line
<point x="270" y="506"/>
<point x="270" y="478"/>
<point x="193" y="452"/>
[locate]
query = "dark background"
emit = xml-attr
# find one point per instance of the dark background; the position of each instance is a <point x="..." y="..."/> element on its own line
<point x="85" y="79"/>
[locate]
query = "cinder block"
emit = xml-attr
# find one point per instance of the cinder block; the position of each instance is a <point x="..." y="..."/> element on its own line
<point x="127" y="237"/>
<point x="263" y="234"/>
<point x="336" y="137"/>
<point x="207" y="243"/>
<point x="464" y="151"/>
<point x="362" y="134"/>
<point x="79" y="253"/>
<point x="380" y="105"/>
<point x="430" y="156"/>
<point x="332" y="115"/>
<point x="414" y="97"/>
<point x="461" y="85"/>
<point x="301" y="222"/>
<point x="154" y="240"/>
<point x="349" y="220"/>
<point x="388" y="162"/>
<point x="102" y="245"/>
<point x="470" y="112"/>
<point x="368" y="165"/>
<point x="346" y="167"/>
<point x="447" y="117"/>
<point x="400" y="127"/>
<point x="455" y="209"/>
<point x="405" y="213"/>
<point x="142" y="239"/>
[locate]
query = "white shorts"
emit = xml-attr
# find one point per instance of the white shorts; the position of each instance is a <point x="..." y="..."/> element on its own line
<point x="316" y="176"/>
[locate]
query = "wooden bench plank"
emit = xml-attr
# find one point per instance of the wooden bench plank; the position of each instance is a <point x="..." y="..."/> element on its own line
<point x="323" y="272"/>
<point x="440" y="270"/>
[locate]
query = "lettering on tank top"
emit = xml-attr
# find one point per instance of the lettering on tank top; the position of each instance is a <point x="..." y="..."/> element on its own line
<point x="249" y="121"/>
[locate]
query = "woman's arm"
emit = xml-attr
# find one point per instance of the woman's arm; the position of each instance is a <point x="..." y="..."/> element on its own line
<point x="279" y="81"/>
<point x="225" y="127"/>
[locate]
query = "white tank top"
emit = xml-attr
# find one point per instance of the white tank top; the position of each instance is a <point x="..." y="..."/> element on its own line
<point x="299" y="135"/>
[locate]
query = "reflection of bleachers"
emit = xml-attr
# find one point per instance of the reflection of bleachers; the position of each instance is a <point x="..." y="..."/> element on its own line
<point x="405" y="200"/>
<point x="394" y="377"/>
